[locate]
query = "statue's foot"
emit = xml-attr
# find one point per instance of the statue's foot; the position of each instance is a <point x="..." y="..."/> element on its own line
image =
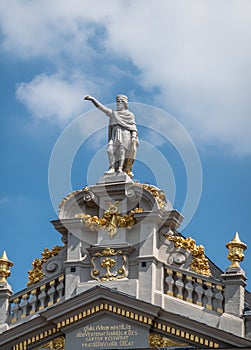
<point x="110" y="171"/>
<point x="120" y="170"/>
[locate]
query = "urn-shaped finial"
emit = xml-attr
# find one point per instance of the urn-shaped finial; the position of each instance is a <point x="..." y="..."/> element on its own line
<point x="5" y="265"/>
<point x="235" y="251"/>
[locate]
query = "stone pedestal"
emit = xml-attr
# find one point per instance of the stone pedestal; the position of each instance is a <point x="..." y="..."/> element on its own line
<point x="5" y="293"/>
<point x="234" y="280"/>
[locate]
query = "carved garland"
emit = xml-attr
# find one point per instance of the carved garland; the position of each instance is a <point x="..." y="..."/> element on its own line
<point x="112" y="219"/>
<point x="200" y="263"/>
<point x="36" y="274"/>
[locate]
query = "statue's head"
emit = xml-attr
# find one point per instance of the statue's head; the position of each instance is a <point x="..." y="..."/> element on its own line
<point x="122" y="102"/>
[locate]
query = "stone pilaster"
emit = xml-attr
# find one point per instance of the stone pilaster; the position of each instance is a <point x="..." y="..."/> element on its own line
<point x="5" y="291"/>
<point x="234" y="280"/>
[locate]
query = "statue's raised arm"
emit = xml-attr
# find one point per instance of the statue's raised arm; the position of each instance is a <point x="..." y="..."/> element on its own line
<point x="123" y="135"/>
<point x="97" y="104"/>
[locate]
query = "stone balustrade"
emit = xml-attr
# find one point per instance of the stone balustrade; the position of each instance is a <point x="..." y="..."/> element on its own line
<point x="33" y="299"/>
<point x="202" y="291"/>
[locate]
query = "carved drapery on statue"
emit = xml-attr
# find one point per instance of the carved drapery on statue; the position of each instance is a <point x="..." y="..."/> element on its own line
<point x="122" y="135"/>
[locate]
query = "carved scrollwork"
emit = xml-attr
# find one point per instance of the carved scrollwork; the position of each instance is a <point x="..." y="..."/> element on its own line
<point x="52" y="267"/>
<point x="36" y="274"/>
<point x="200" y="263"/>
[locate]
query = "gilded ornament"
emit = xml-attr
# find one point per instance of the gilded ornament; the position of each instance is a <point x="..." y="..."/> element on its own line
<point x="5" y="265"/>
<point x="111" y="220"/>
<point x="55" y="344"/>
<point x="36" y="274"/>
<point x="158" y="341"/>
<point x="235" y="251"/>
<point x="70" y="195"/>
<point x="107" y="263"/>
<point x="200" y="263"/>
<point x="157" y="193"/>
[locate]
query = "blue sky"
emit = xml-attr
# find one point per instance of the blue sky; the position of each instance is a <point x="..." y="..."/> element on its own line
<point x="190" y="59"/>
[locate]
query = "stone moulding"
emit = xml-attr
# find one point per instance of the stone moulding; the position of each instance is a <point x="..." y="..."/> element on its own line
<point x="200" y="263"/>
<point x="70" y="195"/>
<point x="36" y="274"/>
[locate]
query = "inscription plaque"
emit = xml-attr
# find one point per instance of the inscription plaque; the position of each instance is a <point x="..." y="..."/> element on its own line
<point x="107" y="333"/>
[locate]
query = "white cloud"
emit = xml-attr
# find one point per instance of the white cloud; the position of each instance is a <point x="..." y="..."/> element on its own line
<point x="54" y="98"/>
<point x="197" y="53"/>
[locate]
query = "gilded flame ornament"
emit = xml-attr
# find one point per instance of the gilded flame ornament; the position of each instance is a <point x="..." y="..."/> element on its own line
<point x="235" y="251"/>
<point x="5" y="265"/>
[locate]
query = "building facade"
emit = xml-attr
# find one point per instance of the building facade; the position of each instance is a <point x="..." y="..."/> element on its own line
<point x="125" y="278"/>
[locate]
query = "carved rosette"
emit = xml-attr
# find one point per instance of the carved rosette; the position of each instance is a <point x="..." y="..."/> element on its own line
<point x="109" y="265"/>
<point x="36" y="274"/>
<point x="200" y="263"/>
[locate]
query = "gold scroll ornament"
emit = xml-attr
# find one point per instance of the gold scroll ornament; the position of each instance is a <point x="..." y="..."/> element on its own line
<point x="158" y="341"/>
<point x="55" y="344"/>
<point x="36" y="274"/>
<point x="107" y="263"/>
<point x="200" y="263"/>
<point x="158" y="194"/>
<point x="112" y="219"/>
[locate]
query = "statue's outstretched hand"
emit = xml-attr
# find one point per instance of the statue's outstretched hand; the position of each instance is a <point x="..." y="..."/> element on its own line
<point x="88" y="97"/>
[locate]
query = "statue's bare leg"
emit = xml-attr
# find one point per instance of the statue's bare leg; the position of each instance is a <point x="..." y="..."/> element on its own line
<point x="122" y="153"/>
<point x="111" y="157"/>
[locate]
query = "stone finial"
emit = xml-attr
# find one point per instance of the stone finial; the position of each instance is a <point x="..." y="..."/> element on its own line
<point x="235" y="251"/>
<point x="5" y="265"/>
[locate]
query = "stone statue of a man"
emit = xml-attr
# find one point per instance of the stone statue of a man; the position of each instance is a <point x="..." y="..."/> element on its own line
<point x="123" y="135"/>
